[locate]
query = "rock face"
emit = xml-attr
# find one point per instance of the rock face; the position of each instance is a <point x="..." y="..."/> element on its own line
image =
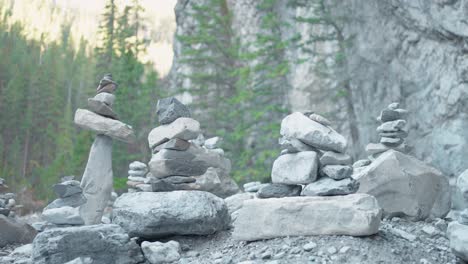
<point x="355" y="215"/>
<point x="458" y="235"/>
<point x="102" y="125"/>
<point x="15" y="232"/>
<point x="102" y="243"/>
<point x="404" y="185"/>
<point x="97" y="181"/>
<point x="153" y="214"/>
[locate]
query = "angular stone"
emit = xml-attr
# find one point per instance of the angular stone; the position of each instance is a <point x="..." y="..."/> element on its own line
<point x="101" y="108"/>
<point x="15" y="232"/>
<point x="328" y="187"/>
<point x="97" y="181"/>
<point x="161" y="185"/>
<point x="102" y="125"/>
<point x="337" y="172"/>
<point x="102" y="243"/>
<point x="406" y="186"/>
<point x="458" y="236"/>
<point x="157" y="252"/>
<point x="192" y="162"/>
<point x="183" y="128"/>
<point x="159" y="214"/>
<point x="71" y="201"/>
<point x="361" y="163"/>
<point x="174" y="144"/>
<point x="63" y="216"/>
<point x="278" y="190"/>
<point x="398" y="134"/>
<point x="335" y="158"/>
<point x="293" y="145"/>
<point x="297" y="168"/>
<point x="392" y="126"/>
<point x="212" y="143"/>
<point x="179" y="179"/>
<point x="169" y="109"/>
<point x="319" y="119"/>
<point x="67" y="188"/>
<point x="391" y="142"/>
<point x="138" y="179"/>
<point x="393" y="106"/>
<point x="106" y="98"/>
<point x="390" y="115"/>
<point x="137" y="165"/>
<point x="377" y="148"/>
<point x="354" y="215"/>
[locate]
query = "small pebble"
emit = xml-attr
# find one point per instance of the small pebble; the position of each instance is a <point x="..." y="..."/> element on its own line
<point x="331" y="250"/>
<point x="309" y="246"/>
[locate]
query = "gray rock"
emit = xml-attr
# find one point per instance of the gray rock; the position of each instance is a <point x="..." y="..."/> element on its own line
<point x="278" y="190"/>
<point x="105" y="126"/>
<point x="337" y="172"/>
<point x="335" y="158"/>
<point x="97" y="181"/>
<point x="13" y="231"/>
<point x="320" y="119"/>
<point x="378" y="148"/>
<point x="157" y="252"/>
<point x="297" y="168"/>
<point x="67" y="188"/>
<point x="398" y="134"/>
<point x="213" y="143"/>
<point x="179" y="179"/>
<point x="102" y="243"/>
<point x="138" y="179"/>
<point x="71" y="201"/>
<point x="361" y="163"/>
<point x="138" y="166"/>
<point x="183" y="128"/>
<point x="215" y="181"/>
<point x="293" y="145"/>
<point x="144" y="187"/>
<point x="458" y="236"/>
<point x="160" y="185"/>
<point x="158" y="214"/>
<point x="169" y="109"/>
<point x="392" y="142"/>
<point x="328" y="187"/>
<point x="199" y="141"/>
<point x="81" y="261"/>
<point x="235" y="202"/>
<point x="406" y="186"/>
<point x="391" y="115"/>
<point x="355" y="215"/>
<point x="393" y="106"/>
<point x="137" y="173"/>
<point x="173" y="144"/>
<point x="101" y="108"/>
<point x="106" y="98"/>
<point x="463" y="217"/>
<point x="312" y="133"/>
<point x="63" y="216"/>
<point x="462" y="188"/>
<point x="252" y="186"/>
<point x="392" y="126"/>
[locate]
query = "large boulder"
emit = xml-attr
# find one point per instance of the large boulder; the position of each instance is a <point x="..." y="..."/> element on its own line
<point x="104" y="244"/>
<point x="403" y="185"/>
<point x="15" y="232"/>
<point x="158" y="214"/>
<point x="103" y="125"/>
<point x="312" y="133"/>
<point x="296" y="168"/>
<point x="355" y="215"/>
<point x="169" y="109"/>
<point x="183" y="128"/>
<point x="458" y="236"/>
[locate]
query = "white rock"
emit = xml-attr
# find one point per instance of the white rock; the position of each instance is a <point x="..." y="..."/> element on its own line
<point x="137" y="166"/>
<point x="103" y="125"/>
<point x="184" y="128"/>
<point x="355" y="215"/>
<point x="157" y="252"/>
<point x="296" y="168"/>
<point x="309" y="246"/>
<point x="63" y="216"/>
<point x="298" y="126"/>
<point x="404" y="185"/>
<point x="392" y="126"/>
<point x="106" y="98"/>
<point x="458" y="236"/>
<point x="212" y="143"/>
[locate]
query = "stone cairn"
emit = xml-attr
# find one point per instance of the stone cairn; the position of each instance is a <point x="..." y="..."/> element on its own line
<point x="457" y="231"/>
<point x="391" y="131"/>
<point x="7" y="200"/>
<point x="313" y="156"/>
<point x="181" y="158"/>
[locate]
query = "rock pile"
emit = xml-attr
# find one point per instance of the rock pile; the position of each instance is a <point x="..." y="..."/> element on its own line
<point x="313" y="155"/>
<point x="7" y="200"/>
<point x="457" y="231"/>
<point x="97" y="179"/>
<point x="137" y="180"/>
<point x="392" y="131"/>
<point x="403" y="185"/>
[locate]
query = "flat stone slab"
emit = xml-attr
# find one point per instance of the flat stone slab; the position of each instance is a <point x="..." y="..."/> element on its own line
<point x="354" y="215"/>
<point x="159" y="214"/>
<point x="182" y="128"/>
<point x="103" y="125"/>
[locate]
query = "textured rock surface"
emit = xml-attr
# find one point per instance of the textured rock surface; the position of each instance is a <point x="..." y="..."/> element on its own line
<point x="458" y="236"/>
<point x="15" y="232"/>
<point x="102" y="243"/>
<point x="183" y="128"/>
<point x="404" y="185"/>
<point x="278" y="190"/>
<point x="158" y="214"/>
<point x="356" y="215"/>
<point x="326" y="187"/>
<point x="297" y="168"/>
<point x="169" y="109"/>
<point x="63" y="216"/>
<point x="158" y="253"/>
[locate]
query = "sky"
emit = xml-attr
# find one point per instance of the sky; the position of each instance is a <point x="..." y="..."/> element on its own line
<point x="47" y="16"/>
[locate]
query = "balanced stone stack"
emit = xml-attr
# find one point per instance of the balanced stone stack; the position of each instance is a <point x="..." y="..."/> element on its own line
<point x="457" y="231"/>
<point x="65" y="211"/>
<point x="137" y="180"/>
<point x="7" y="200"/>
<point x="313" y="155"/>
<point x="181" y="159"/>
<point x="392" y="131"/>
<point x="97" y="179"/>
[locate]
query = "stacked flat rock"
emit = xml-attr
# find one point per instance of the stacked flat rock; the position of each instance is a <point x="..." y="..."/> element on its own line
<point x="182" y="159"/>
<point x="7" y="200"/>
<point x="392" y="131"/>
<point x="65" y="211"/>
<point x="137" y="180"/>
<point x="313" y="155"/>
<point x="457" y="231"/>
